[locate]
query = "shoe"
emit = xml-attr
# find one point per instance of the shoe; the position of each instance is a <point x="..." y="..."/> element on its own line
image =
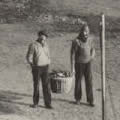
<point x="91" y="104"/>
<point x="34" y="106"/>
<point x="49" y="107"/>
<point x="77" y="102"/>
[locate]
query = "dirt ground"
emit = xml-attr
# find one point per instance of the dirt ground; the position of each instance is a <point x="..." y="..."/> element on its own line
<point x="16" y="81"/>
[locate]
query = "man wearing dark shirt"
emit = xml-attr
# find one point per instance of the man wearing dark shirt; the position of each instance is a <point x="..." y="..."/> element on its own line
<point x="82" y="54"/>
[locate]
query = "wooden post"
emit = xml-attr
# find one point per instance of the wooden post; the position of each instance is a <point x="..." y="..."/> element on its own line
<point x="102" y="44"/>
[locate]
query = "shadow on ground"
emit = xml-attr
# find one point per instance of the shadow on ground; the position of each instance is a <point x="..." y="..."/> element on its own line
<point x="6" y="98"/>
<point x="9" y="101"/>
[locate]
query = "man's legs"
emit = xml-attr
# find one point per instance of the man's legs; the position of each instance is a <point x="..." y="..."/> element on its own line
<point x="46" y="87"/>
<point x="88" y="82"/>
<point x="35" y="73"/>
<point x="79" y="69"/>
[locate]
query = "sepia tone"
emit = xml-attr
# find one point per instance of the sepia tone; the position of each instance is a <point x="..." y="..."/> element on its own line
<point x="20" y="21"/>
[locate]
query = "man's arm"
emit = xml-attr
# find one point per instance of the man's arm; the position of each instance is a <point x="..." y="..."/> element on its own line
<point x="93" y="53"/>
<point x="92" y="50"/>
<point x="29" y="55"/>
<point x="48" y="53"/>
<point x="72" y="58"/>
<point x="48" y="50"/>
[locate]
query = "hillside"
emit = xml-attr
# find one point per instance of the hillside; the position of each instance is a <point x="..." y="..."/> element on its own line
<point x="109" y="7"/>
<point x="28" y="7"/>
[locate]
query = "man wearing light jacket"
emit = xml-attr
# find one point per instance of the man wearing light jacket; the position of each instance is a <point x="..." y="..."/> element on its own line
<point x="82" y="54"/>
<point x="39" y="59"/>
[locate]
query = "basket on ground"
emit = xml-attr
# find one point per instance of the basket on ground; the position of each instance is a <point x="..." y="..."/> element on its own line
<point x="61" y="84"/>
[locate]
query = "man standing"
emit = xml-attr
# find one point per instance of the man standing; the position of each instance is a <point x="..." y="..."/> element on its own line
<point x="39" y="59"/>
<point x="82" y="53"/>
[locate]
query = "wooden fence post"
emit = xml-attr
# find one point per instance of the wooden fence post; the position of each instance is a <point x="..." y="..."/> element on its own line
<point x="102" y="44"/>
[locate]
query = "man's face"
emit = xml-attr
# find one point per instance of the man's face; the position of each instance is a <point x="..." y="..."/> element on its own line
<point x="42" y="39"/>
<point x="85" y="34"/>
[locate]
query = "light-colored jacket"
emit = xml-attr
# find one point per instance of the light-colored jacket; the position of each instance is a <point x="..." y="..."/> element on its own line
<point x="38" y="55"/>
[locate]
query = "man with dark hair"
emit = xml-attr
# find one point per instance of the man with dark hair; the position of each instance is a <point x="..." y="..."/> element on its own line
<point x="39" y="59"/>
<point x="82" y="54"/>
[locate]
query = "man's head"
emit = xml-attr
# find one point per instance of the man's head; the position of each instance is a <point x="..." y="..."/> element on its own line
<point x="84" y="33"/>
<point x="42" y="36"/>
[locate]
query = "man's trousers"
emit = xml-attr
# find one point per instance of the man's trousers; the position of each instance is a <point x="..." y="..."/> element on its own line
<point x="41" y="72"/>
<point x="83" y="69"/>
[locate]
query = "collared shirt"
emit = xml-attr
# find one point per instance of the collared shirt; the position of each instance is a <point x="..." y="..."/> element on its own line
<point x="83" y="51"/>
<point x="38" y="55"/>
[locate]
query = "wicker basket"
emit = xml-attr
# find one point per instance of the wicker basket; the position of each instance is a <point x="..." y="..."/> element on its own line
<point x="61" y="84"/>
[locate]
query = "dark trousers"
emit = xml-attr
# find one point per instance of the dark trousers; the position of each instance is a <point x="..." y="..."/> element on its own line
<point x="41" y="72"/>
<point x="83" y="69"/>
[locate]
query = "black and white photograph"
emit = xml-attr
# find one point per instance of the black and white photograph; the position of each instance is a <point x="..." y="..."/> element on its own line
<point x="59" y="59"/>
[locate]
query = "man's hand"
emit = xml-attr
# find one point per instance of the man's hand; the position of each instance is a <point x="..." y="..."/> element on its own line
<point x="92" y="54"/>
<point x="73" y="75"/>
<point x="31" y="65"/>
